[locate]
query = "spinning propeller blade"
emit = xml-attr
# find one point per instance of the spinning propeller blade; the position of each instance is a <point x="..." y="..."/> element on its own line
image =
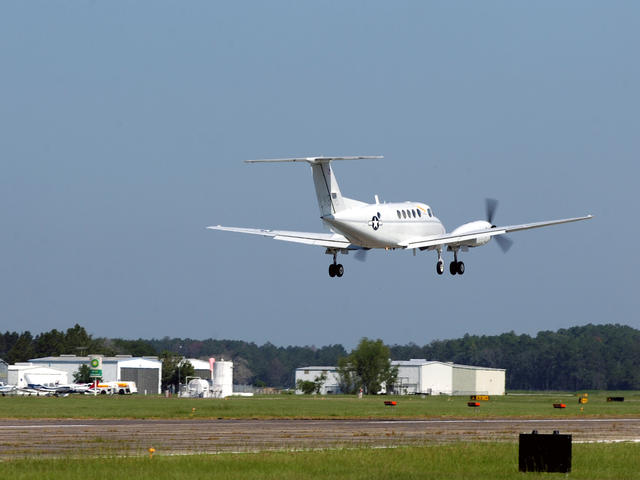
<point x="491" y="206"/>
<point x="505" y="243"/>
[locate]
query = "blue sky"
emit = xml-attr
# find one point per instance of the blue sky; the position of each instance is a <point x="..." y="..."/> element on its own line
<point x="124" y="126"/>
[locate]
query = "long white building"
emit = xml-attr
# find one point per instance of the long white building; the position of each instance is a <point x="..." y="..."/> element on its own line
<point x="419" y="376"/>
<point x="146" y="372"/>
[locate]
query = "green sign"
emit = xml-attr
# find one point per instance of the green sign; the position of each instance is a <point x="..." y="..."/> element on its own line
<point x="95" y="367"/>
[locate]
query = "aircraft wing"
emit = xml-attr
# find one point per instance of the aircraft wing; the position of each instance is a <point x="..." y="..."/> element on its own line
<point x="327" y="240"/>
<point x="467" y="237"/>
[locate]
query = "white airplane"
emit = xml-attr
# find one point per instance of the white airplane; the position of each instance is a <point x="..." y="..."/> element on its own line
<point x="358" y="226"/>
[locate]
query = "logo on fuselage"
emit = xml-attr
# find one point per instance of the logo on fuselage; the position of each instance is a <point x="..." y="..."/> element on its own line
<point x="375" y="222"/>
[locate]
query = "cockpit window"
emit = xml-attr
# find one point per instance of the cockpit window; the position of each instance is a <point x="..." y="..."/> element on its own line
<point x="399" y="214"/>
<point x="413" y="212"/>
<point x="429" y="212"/>
<point x="404" y="214"/>
<point x="419" y="213"/>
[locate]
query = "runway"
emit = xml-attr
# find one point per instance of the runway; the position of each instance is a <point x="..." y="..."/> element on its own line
<point x="29" y="438"/>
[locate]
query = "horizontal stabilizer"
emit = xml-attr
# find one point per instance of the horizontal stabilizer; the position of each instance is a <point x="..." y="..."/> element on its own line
<point x="313" y="160"/>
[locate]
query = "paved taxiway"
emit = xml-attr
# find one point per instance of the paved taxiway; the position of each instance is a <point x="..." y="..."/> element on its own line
<point x="133" y="437"/>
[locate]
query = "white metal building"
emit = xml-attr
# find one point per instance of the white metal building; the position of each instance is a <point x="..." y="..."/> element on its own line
<point x="330" y="385"/>
<point x="23" y="374"/>
<point x="146" y="372"/>
<point x="419" y="376"/>
<point x="468" y="380"/>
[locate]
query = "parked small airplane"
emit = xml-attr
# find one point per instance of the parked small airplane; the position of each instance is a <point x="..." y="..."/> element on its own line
<point x="358" y="226"/>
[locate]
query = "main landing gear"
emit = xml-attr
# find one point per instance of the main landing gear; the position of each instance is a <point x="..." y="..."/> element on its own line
<point x="455" y="267"/>
<point x="336" y="269"/>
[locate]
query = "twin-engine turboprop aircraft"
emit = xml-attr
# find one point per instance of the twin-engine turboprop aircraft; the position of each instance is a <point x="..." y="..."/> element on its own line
<point x="358" y="226"/>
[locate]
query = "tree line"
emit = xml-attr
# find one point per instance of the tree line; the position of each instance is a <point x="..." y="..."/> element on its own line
<point x="585" y="357"/>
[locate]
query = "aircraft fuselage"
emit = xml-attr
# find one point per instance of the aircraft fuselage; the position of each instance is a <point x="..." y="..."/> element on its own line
<point x="385" y="225"/>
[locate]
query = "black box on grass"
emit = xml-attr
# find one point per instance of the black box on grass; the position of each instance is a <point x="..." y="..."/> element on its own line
<point x="545" y="452"/>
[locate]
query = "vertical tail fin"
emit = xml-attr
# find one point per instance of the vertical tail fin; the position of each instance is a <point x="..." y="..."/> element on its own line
<point x="327" y="189"/>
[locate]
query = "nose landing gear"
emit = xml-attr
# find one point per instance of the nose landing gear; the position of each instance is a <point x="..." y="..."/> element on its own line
<point x="440" y="264"/>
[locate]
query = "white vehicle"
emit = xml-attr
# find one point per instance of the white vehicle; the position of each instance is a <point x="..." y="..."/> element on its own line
<point x="112" y="388"/>
<point x="124" y="387"/>
<point x="358" y="226"/>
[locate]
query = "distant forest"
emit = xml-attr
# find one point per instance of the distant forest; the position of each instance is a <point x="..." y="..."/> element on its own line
<point x="596" y="357"/>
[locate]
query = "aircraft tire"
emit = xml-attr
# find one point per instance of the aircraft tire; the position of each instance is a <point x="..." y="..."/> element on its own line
<point x="332" y="270"/>
<point x="460" y="268"/>
<point x="453" y="268"/>
<point x="339" y="270"/>
<point x="440" y="268"/>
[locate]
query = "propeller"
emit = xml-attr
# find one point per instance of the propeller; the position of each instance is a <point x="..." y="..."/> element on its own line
<point x="504" y="242"/>
<point x="491" y="206"/>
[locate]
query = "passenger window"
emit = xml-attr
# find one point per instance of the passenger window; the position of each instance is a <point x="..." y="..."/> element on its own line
<point x="399" y="214"/>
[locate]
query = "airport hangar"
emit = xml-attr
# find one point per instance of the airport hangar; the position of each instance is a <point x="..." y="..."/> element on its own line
<point x="146" y="372"/>
<point x="419" y="376"/>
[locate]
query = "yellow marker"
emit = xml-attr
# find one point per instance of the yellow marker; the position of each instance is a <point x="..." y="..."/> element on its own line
<point x="151" y="452"/>
<point x="484" y="398"/>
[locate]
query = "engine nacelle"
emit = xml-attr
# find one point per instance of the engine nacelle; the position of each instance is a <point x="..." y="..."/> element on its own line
<point x="473" y="227"/>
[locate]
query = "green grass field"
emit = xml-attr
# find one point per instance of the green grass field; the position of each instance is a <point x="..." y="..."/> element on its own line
<point x="466" y="460"/>
<point x="316" y="407"/>
<point x="455" y="461"/>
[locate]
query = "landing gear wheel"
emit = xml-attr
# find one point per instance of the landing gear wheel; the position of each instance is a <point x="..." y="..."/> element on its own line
<point x="339" y="270"/>
<point x="460" y="268"/>
<point x="453" y="268"/>
<point x="440" y="267"/>
<point x="332" y="270"/>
